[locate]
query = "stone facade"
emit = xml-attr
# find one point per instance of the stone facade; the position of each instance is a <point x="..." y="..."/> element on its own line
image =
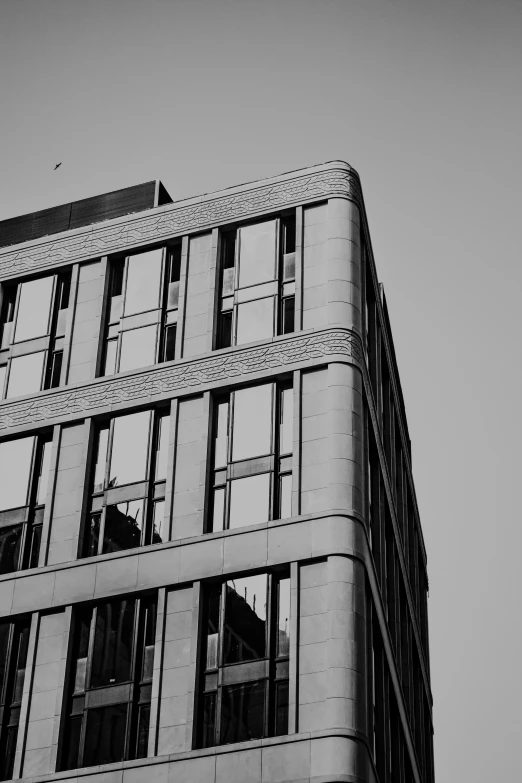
<point x="359" y="698"/>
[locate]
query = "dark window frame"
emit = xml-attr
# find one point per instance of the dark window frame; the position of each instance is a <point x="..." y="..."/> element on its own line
<point x="133" y="692"/>
<point x="11" y="690"/>
<point x="272" y="669"/>
<point x="29" y="517"/>
<point x="51" y="344"/>
<point x="284" y="279"/>
<point x="166" y="311"/>
<point x="275" y="463"/>
<point x="150" y="489"/>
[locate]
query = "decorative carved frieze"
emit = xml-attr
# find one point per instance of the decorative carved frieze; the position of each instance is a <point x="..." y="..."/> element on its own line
<point x="175" y="219"/>
<point x="169" y="381"/>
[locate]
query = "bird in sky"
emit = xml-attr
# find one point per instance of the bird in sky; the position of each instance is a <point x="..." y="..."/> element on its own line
<point x="58" y="165"/>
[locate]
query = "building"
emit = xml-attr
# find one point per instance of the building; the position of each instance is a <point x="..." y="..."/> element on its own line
<point x="212" y="565"/>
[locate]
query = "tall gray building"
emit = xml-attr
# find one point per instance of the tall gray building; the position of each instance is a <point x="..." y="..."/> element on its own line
<point x="212" y="565"/>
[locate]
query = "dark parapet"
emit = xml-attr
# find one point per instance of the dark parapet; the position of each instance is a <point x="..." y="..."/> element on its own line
<point x="83" y="213"/>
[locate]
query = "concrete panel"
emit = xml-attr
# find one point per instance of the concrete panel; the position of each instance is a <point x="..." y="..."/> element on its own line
<point x="198" y="296"/>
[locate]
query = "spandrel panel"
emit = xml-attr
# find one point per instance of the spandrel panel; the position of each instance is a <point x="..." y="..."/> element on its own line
<point x="252" y="422"/>
<point x="255" y="320"/>
<point x="257" y="260"/>
<point x="129" y="449"/>
<point x="25" y="374"/>
<point x="138" y="348"/>
<point x="245" y="619"/>
<point x="33" y="310"/>
<point x="15" y="467"/>
<point x="249" y="500"/>
<point x="143" y="282"/>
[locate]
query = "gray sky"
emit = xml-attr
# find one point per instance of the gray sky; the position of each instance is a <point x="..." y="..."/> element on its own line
<point x="423" y="98"/>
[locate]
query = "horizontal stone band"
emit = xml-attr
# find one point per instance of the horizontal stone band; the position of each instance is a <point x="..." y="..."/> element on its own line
<point x="169" y="380"/>
<point x="175" y="219"/>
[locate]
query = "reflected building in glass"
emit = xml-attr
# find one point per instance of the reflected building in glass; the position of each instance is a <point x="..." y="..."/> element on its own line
<point x="211" y="560"/>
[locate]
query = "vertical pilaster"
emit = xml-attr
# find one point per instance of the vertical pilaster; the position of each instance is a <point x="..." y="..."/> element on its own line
<point x="49" y="496"/>
<point x="70" y="321"/>
<point x="296" y="446"/>
<point x="213" y="293"/>
<point x="293" y="678"/>
<point x="298" y="269"/>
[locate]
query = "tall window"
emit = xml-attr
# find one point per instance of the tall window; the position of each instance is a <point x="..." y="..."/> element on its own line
<point x="110" y="682"/>
<point x="244" y="678"/>
<point x="14" y="640"/>
<point x="24" y="473"/>
<point x="257" y="282"/>
<point x="252" y="456"/>
<point x="142" y="310"/>
<point x="33" y="319"/>
<point x="128" y="483"/>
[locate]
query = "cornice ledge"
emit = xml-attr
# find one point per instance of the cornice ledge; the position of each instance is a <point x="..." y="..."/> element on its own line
<point x="166" y="382"/>
<point x="334" y="179"/>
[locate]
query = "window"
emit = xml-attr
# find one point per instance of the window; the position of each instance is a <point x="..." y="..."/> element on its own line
<point x="142" y="310"/>
<point x="257" y="282"/>
<point x="245" y="660"/>
<point x="128" y="483"/>
<point x="24" y="471"/>
<point x="110" y="682"/>
<point x="14" y="641"/>
<point x="252" y="456"/>
<point x="33" y="320"/>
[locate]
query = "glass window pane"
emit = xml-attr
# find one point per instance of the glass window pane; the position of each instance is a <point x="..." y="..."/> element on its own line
<point x="112" y="654"/>
<point x="281" y="708"/>
<point x="138" y="348"/>
<point x="109" y="367"/>
<point x="218" y="511"/>
<point x="288" y="315"/>
<point x="255" y="320"/>
<point x="243" y="712"/>
<point x="3" y="370"/>
<point x="142" y="740"/>
<point x="56" y="369"/>
<point x="25" y="375"/>
<point x="143" y="282"/>
<point x="283" y="619"/>
<point x="252" y="422"/>
<point x="214" y="603"/>
<point x="286" y="421"/>
<point x="72" y="745"/>
<point x="257" y="261"/>
<point x="35" y="534"/>
<point x="249" y="500"/>
<point x="45" y="462"/>
<point x="170" y="343"/>
<point x="101" y="459"/>
<point x="105" y="735"/>
<point x="220" y="442"/>
<point x="4" y="641"/>
<point x="129" y="449"/>
<point x="285" y="496"/>
<point x="15" y="466"/>
<point x="92" y="536"/>
<point x="158" y="521"/>
<point x="245" y="619"/>
<point x="162" y="452"/>
<point x="10" y="541"/>
<point x="33" y="311"/>
<point x="209" y="720"/>
<point x="123" y="525"/>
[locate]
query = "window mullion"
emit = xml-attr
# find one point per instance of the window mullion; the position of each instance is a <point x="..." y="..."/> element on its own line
<point x="221" y="641"/>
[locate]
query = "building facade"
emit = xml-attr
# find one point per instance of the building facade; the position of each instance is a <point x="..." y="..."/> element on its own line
<point x="212" y="568"/>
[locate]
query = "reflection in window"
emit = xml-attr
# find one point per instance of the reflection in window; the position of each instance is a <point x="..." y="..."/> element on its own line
<point x="142" y="310"/>
<point x="24" y="472"/>
<point x="113" y="644"/>
<point x="138" y="347"/>
<point x="129" y="471"/>
<point x="252" y="456"/>
<point x="257" y="282"/>
<point x="25" y="376"/>
<point x="246" y="648"/>
<point x="14" y="642"/>
<point x="33" y="312"/>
